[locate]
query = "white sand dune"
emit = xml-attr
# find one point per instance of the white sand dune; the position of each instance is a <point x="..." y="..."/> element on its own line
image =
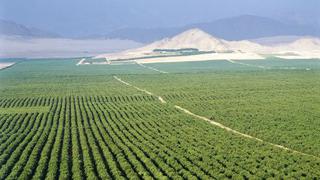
<point x="203" y="57"/>
<point x="304" y="48"/>
<point x="216" y="49"/>
<point x="6" y="65"/>
<point x="191" y="39"/>
<point x="194" y="38"/>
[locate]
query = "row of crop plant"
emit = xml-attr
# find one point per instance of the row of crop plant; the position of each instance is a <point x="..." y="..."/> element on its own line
<point x="92" y="137"/>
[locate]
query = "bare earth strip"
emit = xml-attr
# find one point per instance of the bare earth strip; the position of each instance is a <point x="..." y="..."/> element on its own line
<point x="217" y="123"/>
<point x="81" y="61"/>
<point x="234" y="62"/>
<point x="200" y="57"/>
<point x="154" y="69"/>
<point x="263" y="67"/>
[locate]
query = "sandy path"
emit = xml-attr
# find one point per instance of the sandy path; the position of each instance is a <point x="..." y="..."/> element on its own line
<point x="81" y="61"/>
<point x="217" y="123"/>
<point x="139" y="89"/>
<point x="251" y="65"/>
<point x="154" y="69"/>
<point x="242" y="134"/>
<point x="264" y="67"/>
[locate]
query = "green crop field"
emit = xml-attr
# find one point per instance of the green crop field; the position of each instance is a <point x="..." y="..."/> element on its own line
<point x="62" y="121"/>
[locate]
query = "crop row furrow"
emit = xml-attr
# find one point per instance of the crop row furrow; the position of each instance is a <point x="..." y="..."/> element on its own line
<point x="100" y="161"/>
<point x="30" y="167"/>
<point x="89" y="162"/>
<point x="184" y="166"/>
<point x="64" y="160"/>
<point x="118" y="118"/>
<point x="43" y="163"/>
<point x="13" y="125"/>
<point x="145" y="144"/>
<point x="10" y="145"/>
<point x="77" y="154"/>
<point x="193" y="146"/>
<point x="25" y="102"/>
<point x="137" y="156"/>
<point x="54" y="162"/>
<point x="20" y="165"/>
<point x="24" y="146"/>
<point x="123" y="165"/>
<point x="135" y="168"/>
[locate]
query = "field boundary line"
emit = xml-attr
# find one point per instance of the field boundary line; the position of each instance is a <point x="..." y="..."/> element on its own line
<point x="258" y="66"/>
<point x="217" y="123"/>
<point x="154" y="69"/>
<point x="139" y="89"/>
<point x="242" y="134"/>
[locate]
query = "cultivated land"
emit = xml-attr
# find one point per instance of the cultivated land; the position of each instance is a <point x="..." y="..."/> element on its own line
<point x="59" y="120"/>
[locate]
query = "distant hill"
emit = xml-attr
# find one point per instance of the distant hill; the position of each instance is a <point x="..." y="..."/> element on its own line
<point x="9" y="28"/>
<point x="144" y="35"/>
<point x="196" y="44"/>
<point x="234" y="28"/>
<point x="193" y="38"/>
<point x="191" y="42"/>
<point x="26" y="47"/>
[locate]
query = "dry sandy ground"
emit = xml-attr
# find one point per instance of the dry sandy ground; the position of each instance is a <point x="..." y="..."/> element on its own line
<point x="245" y="64"/>
<point x="203" y="57"/>
<point x="5" y="65"/>
<point x="154" y="69"/>
<point x="311" y="54"/>
<point x="81" y="61"/>
<point x="303" y="48"/>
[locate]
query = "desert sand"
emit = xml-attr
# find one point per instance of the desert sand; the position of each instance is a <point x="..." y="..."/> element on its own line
<point x="5" y="65"/>
<point x="217" y="49"/>
<point x="203" y="57"/>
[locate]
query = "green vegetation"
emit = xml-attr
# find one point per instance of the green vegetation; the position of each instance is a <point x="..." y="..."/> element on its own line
<point x="62" y="121"/>
<point x="22" y="109"/>
<point x="277" y="106"/>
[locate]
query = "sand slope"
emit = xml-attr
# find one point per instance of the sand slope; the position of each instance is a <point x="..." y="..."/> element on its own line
<point x="5" y="65"/>
<point x="216" y="48"/>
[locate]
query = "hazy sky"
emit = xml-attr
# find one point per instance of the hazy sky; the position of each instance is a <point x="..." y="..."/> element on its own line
<point x="80" y="17"/>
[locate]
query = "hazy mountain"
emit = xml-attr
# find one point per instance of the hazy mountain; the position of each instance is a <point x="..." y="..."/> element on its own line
<point x="17" y="40"/>
<point x="21" y="46"/>
<point x="8" y="28"/>
<point x="234" y="28"/>
<point x="144" y="35"/>
<point x="251" y="27"/>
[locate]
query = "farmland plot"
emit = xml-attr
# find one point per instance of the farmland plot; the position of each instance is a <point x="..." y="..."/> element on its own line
<point x="64" y="121"/>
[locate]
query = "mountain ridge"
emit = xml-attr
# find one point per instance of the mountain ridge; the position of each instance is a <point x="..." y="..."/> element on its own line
<point x="233" y="28"/>
<point x="9" y="28"/>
